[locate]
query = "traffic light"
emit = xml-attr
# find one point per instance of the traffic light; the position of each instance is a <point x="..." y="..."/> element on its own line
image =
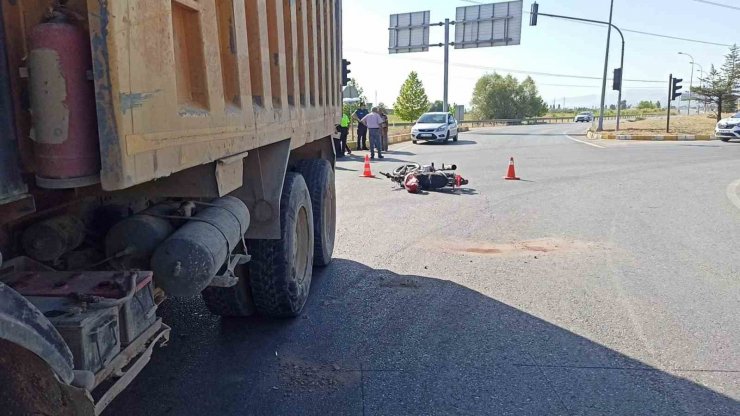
<point x="533" y="14"/>
<point x="345" y="72"/>
<point x="617" y="85"/>
<point x="675" y="88"/>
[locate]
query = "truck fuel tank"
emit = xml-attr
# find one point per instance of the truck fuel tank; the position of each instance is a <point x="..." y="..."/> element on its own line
<point x="187" y="262"/>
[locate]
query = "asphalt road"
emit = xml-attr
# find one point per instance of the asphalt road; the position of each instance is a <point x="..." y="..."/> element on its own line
<point x="607" y="281"/>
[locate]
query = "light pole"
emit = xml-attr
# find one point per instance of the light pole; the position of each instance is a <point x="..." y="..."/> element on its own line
<point x="447" y="65"/>
<point x="691" y="82"/>
<point x="701" y="84"/>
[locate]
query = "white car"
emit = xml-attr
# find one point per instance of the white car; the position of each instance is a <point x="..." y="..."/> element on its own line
<point x="434" y="127"/>
<point x="585" y="116"/>
<point x="728" y="128"/>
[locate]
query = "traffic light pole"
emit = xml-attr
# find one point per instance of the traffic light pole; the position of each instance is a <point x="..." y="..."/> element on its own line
<point x="670" y="100"/>
<point x="621" y="74"/>
<point x="603" y="95"/>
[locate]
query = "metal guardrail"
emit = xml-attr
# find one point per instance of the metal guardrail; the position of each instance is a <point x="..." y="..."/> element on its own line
<point x="513" y="121"/>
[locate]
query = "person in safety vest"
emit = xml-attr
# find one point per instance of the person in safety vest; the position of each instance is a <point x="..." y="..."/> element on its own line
<point x="343" y="132"/>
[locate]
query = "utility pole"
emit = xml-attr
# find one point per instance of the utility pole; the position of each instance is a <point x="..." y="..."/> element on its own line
<point x="606" y="68"/>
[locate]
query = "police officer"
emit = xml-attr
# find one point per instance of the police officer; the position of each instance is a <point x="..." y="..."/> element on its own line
<point x="358" y="115"/>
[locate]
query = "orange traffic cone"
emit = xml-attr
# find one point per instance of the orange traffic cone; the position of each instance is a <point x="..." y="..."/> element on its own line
<point x="367" y="173"/>
<point x="511" y="174"/>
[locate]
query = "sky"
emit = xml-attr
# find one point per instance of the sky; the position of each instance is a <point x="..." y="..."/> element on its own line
<point x="554" y="46"/>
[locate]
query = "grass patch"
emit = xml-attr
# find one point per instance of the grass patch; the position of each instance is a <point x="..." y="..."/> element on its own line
<point x="698" y="124"/>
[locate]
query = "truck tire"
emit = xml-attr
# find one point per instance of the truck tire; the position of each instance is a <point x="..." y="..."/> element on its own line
<point x="231" y="302"/>
<point x="319" y="177"/>
<point x="280" y="270"/>
<point x="29" y="387"/>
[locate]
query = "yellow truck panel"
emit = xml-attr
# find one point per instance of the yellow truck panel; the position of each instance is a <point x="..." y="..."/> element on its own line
<point x="190" y="82"/>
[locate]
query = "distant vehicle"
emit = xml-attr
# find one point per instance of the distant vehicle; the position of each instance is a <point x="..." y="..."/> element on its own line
<point x="728" y="128"/>
<point x="585" y="117"/>
<point x="434" y="127"/>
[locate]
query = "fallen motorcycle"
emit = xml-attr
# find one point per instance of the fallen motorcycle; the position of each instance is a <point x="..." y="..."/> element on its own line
<point x="415" y="177"/>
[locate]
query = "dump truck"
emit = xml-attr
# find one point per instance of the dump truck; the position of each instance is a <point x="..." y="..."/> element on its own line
<point x="153" y="149"/>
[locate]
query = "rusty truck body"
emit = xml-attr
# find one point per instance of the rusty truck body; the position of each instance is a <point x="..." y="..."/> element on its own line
<point x="155" y="148"/>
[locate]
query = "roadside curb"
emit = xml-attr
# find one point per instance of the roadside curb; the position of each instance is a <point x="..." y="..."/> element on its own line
<point x="405" y="137"/>
<point x="656" y="138"/>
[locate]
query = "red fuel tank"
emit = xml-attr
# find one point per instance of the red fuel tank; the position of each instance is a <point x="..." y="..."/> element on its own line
<point x="62" y="100"/>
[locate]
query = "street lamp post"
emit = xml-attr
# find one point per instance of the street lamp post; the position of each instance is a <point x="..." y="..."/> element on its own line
<point x="691" y="82"/>
<point x="701" y="84"/>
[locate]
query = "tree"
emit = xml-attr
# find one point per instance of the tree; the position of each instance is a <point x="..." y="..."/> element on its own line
<point x="499" y="97"/>
<point x="731" y="67"/>
<point x="716" y="89"/>
<point x="717" y="86"/>
<point x="646" y="105"/>
<point x="657" y="105"/>
<point x="412" y="100"/>
<point x="731" y="73"/>
<point x="438" y="107"/>
<point x="531" y="104"/>
<point x="613" y="107"/>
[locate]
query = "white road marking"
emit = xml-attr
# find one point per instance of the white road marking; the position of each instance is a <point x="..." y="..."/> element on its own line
<point x="733" y="191"/>
<point x="581" y="141"/>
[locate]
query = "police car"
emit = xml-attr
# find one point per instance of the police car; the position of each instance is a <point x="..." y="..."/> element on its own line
<point x="728" y="128"/>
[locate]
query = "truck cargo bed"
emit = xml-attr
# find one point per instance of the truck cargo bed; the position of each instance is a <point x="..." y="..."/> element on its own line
<point x="181" y="83"/>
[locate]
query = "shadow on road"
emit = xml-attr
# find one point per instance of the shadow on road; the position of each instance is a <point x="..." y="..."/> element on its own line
<point x="387" y="157"/>
<point x="401" y="153"/>
<point x="378" y="343"/>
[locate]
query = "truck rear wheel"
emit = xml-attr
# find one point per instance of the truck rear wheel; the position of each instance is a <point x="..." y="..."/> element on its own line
<point x="280" y="270"/>
<point x="319" y="177"/>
